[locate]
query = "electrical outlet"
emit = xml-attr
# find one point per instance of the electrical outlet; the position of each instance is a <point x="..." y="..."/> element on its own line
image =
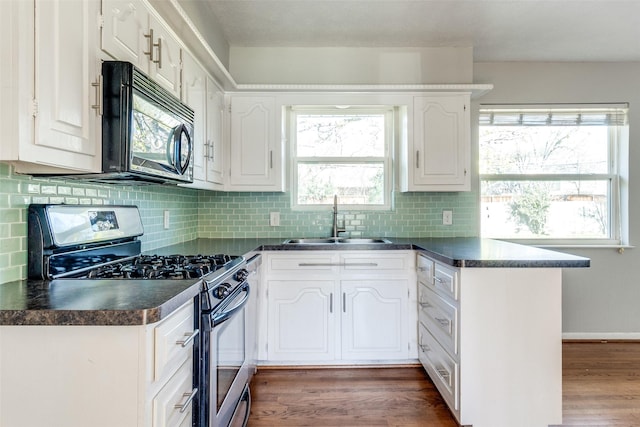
<point x="165" y="219"/>
<point x="274" y="219"/>
<point x="447" y="217"/>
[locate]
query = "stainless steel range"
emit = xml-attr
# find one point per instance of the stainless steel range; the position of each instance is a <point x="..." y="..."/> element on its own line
<point x="88" y="242"/>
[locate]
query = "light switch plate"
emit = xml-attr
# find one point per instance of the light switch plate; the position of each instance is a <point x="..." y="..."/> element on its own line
<point x="447" y="217"/>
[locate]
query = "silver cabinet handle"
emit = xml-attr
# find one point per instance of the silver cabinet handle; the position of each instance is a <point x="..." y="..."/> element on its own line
<point x="444" y="374"/>
<point x="425" y="348"/>
<point x="188" y="338"/>
<point x="206" y="149"/>
<point x="212" y="153"/>
<point x="159" y="46"/>
<point x="190" y="397"/>
<point x="424" y="304"/>
<point x="361" y="264"/>
<point x="438" y="279"/>
<point x="331" y="302"/>
<point x="317" y="264"/>
<point x="98" y="87"/>
<point x="270" y="159"/>
<point x="443" y="322"/>
<point x="151" y="45"/>
<point x="417" y="159"/>
<point x="344" y="302"/>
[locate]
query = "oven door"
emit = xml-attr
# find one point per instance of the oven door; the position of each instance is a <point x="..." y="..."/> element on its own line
<point x="229" y="367"/>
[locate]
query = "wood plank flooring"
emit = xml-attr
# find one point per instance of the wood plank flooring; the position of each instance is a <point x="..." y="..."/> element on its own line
<point x="601" y="387"/>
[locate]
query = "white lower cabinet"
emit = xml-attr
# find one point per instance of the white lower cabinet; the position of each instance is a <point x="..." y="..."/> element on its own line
<point x="338" y="307"/>
<point x="490" y="339"/>
<point x="99" y="376"/>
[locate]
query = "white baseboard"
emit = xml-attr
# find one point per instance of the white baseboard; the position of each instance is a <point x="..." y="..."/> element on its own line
<point x="601" y="336"/>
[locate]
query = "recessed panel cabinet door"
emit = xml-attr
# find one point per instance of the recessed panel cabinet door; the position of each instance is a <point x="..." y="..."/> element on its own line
<point x="215" y="126"/>
<point x="255" y="154"/>
<point x="194" y="94"/>
<point x="66" y="85"/>
<point x="439" y="158"/>
<point x="165" y="66"/>
<point x="374" y="325"/>
<point x="301" y="320"/>
<point x="125" y="32"/>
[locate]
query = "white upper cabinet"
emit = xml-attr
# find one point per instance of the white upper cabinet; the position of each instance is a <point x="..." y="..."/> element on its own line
<point x="255" y="150"/>
<point x="214" y="145"/>
<point x="437" y="156"/>
<point x="49" y="57"/>
<point x="200" y="92"/>
<point x="132" y="32"/>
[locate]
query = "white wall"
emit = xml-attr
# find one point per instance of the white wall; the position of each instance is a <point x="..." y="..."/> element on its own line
<point x="600" y="302"/>
<point x="350" y="65"/>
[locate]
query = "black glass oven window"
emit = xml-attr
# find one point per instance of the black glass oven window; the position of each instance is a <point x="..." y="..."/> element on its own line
<point x="231" y="354"/>
<point x="103" y="220"/>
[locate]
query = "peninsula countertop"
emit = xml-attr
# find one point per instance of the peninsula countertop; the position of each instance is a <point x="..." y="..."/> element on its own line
<point x="138" y="302"/>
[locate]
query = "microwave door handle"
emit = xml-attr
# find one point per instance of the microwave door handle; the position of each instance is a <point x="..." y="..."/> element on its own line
<point x="174" y="156"/>
<point x="185" y="167"/>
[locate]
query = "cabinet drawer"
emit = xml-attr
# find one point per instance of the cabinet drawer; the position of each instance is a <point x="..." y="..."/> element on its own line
<point x="296" y="263"/>
<point x="173" y="405"/>
<point x="380" y="263"/>
<point x="425" y="267"/>
<point x="173" y="340"/>
<point x="440" y="317"/>
<point x="446" y="280"/>
<point x="442" y="369"/>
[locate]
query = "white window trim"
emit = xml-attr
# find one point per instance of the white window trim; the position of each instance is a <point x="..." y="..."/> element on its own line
<point x="386" y="160"/>
<point x="618" y="235"/>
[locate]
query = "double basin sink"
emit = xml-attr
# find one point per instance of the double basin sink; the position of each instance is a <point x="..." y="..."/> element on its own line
<point x="337" y="240"/>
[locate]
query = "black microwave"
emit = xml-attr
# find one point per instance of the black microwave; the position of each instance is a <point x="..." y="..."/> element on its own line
<point x="147" y="133"/>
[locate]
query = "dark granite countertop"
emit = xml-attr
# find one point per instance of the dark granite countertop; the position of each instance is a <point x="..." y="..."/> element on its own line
<point x="139" y="302"/>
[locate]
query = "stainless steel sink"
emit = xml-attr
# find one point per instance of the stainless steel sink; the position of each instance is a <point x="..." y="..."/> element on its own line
<point x="331" y="241"/>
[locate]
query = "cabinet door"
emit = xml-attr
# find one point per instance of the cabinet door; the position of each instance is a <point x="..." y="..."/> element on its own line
<point x="194" y="94"/>
<point x="374" y="323"/>
<point x="166" y="64"/>
<point x="255" y="155"/>
<point x="125" y="32"/>
<point x="441" y="145"/>
<point x="215" y="142"/>
<point x="66" y="65"/>
<point x="301" y="320"/>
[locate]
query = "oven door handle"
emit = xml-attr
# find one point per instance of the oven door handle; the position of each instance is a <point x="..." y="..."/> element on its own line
<point x="220" y="318"/>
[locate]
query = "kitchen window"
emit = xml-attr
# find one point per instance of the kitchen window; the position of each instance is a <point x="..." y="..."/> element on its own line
<point x="552" y="174"/>
<point x="343" y="151"/>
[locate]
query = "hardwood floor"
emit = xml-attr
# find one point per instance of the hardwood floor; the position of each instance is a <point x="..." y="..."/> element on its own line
<point x="601" y="387"/>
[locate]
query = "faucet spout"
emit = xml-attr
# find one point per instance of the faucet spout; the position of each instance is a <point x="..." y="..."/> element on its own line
<point x="336" y="229"/>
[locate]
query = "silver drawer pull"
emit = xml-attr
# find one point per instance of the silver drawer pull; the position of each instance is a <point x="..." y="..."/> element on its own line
<point x="425" y="348"/>
<point x="444" y="374"/>
<point x="438" y="279"/>
<point x="317" y="264"/>
<point x="443" y="322"/>
<point x="424" y="304"/>
<point x="188" y="338"/>
<point x="189" y="397"/>
<point x="361" y="264"/>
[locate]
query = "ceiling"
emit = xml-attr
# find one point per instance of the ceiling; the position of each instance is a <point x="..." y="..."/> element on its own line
<point x="498" y="30"/>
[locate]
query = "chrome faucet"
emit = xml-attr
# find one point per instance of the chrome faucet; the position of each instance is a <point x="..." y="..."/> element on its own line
<point x="336" y="230"/>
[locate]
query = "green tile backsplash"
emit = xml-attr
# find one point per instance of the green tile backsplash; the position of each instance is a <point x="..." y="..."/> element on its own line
<point x="18" y="191"/>
<point x="415" y="215"/>
<point x="219" y="215"/>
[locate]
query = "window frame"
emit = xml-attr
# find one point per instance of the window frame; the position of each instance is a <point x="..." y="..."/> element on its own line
<point x="386" y="160"/>
<point x="616" y="156"/>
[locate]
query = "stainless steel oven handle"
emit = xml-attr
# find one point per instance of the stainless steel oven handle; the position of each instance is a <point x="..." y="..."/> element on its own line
<point x="227" y="314"/>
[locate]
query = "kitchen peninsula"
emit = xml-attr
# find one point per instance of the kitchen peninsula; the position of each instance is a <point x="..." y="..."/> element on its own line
<point x="496" y="358"/>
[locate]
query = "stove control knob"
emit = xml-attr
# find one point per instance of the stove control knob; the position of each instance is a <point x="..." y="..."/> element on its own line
<point x="222" y="290"/>
<point x="242" y="275"/>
